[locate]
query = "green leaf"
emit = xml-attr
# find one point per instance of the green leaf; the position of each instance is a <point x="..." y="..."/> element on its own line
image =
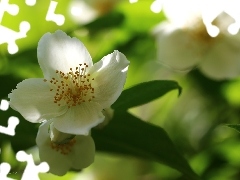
<point x="8" y="82"/>
<point x="128" y="135"/>
<point x="110" y="20"/>
<point x="143" y="93"/>
<point x="235" y="126"/>
<point x="135" y="18"/>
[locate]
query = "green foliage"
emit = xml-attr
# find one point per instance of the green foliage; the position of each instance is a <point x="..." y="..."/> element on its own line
<point x="235" y="126"/>
<point x="10" y="83"/>
<point x="128" y="135"/>
<point x="105" y="22"/>
<point x="187" y="126"/>
<point x="143" y="93"/>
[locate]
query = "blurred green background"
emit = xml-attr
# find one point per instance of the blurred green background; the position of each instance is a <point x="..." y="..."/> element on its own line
<point x="195" y="121"/>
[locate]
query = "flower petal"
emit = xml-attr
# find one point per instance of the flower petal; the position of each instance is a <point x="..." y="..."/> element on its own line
<point x="81" y="155"/>
<point x="173" y="46"/>
<point x="108" y="113"/>
<point x="59" y="164"/>
<point x="79" y="119"/>
<point x="222" y="61"/>
<point x="34" y="101"/>
<point x="110" y="75"/>
<point x="58" y="51"/>
<point x="84" y="150"/>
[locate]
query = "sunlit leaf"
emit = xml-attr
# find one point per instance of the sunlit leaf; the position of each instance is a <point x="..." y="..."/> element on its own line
<point x="144" y="93"/>
<point x="135" y="17"/>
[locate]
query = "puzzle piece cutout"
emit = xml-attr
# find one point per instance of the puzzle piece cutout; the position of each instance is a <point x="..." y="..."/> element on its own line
<point x="51" y="16"/>
<point x="4" y="171"/>
<point x="12" y="123"/>
<point x="11" y="36"/>
<point x="212" y="9"/>
<point x="30" y="2"/>
<point x="31" y="170"/>
<point x="7" y="35"/>
<point x="4" y="105"/>
<point x="12" y="9"/>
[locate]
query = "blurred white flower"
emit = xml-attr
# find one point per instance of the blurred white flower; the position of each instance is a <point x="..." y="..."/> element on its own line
<point x="85" y="11"/>
<point x="102" y="6"/>
<point x="81" y="12"/>
<point x="76" y="152"/>
<point x="191" y="39"/>
<point x="74" y="92"/>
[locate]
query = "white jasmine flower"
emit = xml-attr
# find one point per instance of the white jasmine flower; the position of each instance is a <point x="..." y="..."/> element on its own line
<point x="74" y="92"/>
<point x="77" y="152"/>
<point x="195" y="36"/>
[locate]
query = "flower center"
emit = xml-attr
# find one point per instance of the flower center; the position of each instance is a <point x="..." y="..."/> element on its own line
<point x="72" y="88"/>
<point x="198" y="31"/>
<point x="63" y="148"/>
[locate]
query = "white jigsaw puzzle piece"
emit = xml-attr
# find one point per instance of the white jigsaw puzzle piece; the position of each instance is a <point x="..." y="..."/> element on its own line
<point x="51" y="16"/>
<point x="12" y="9"/>
<point x="9" y="36"/>
<point x="4" y="105"/>
<point x="30" y="2"/>
<point x="12" y="123"/>
<point x="212" y="9"/>
<point x="4" y="170"/>
<point x="232" y="8"/>
<point x="31" y="170"/>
